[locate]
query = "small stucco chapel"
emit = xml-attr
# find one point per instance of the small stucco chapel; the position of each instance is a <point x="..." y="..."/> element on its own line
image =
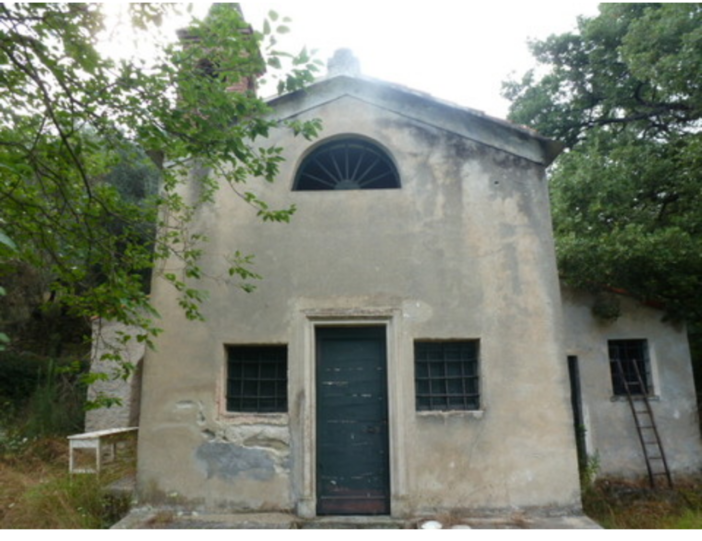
<point x="410" y="349"/>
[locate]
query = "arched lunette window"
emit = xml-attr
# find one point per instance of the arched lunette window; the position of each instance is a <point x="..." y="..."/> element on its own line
<point x="347" y="164"/>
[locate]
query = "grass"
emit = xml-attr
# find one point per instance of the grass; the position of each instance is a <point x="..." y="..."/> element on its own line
<point x="36" y="491"/>
<point x="629" y="505"/>
<point x="689" y="520"/>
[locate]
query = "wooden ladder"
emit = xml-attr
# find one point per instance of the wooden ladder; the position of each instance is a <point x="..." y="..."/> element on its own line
<point x="650" y="439"/>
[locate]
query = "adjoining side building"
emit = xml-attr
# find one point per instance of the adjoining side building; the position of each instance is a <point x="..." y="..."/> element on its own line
<point x="655" y="359"/>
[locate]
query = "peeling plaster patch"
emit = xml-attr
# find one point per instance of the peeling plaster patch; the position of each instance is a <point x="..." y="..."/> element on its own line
<point x="270" y="443"/>
<point x="185" y="405"/>
<point x="190" y="412"/>
<point x="228" y="461"/>
<point x="273" y="436"/>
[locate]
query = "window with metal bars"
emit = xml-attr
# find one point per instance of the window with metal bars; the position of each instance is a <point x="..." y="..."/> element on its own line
<point x="347" y="164"/>
<point x="629" y="367"/>
<point x="257" y="379"/>
<point x="446" y="375"/>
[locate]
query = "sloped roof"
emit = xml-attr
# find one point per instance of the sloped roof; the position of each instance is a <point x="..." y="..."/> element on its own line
<point x="421" y="107"/>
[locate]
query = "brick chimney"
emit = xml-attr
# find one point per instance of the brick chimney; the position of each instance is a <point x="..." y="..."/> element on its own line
<point x="243" y="84"/>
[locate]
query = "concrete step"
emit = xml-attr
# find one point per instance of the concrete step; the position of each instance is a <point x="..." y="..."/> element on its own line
<point x="168" y="519"/>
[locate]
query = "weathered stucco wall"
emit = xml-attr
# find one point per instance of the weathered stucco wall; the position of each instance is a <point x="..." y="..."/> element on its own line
<point x="462" y="251"/>
<point x="109" y="338"/>
<point x="611" y="435"/>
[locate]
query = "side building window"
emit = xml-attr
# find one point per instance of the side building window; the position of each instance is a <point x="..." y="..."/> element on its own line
<point x="257" y="379"/>
<point x="630" y="367"/>
<point x="347" y="164"/>
<point x="446" y="375"/>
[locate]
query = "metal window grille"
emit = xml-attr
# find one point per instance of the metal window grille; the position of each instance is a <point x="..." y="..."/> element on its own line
<point x="446" y="375"/>
<point x="257" y="379"/>
<point x="632" y="357"/>
<point x="347" y="164"/>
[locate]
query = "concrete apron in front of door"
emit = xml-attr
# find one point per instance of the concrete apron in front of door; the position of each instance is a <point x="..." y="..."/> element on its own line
<point x="168" y="519"/>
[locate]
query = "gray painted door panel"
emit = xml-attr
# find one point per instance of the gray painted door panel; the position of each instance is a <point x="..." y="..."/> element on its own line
<point x="352" y="421"/>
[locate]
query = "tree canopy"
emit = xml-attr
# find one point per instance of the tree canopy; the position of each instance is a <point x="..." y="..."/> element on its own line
<point x="85" y="139"/>
<point x="624" y="94"/>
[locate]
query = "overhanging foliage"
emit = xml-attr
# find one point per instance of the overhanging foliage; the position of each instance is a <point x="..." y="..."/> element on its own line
<point x="625" y="95"/>
<point x="84" y="138"/>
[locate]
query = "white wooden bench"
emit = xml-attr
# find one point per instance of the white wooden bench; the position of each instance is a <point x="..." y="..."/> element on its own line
<point x="103" y="443"/>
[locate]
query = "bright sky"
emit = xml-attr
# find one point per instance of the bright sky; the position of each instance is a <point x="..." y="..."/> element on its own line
<point x="454" y="50"/>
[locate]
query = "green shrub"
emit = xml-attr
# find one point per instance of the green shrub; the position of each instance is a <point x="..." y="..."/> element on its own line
<point x="56" y="405"/>
<point x="48" y="399"/>
<point x="19" y="374"/>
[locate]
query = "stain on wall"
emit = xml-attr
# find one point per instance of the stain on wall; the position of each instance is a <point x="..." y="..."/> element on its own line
<point x="229" y="461"/>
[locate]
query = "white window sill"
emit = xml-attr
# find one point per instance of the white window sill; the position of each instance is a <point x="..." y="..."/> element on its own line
<point x="466" y="414"/>
<point x="247" y="418"/>
<point x="636" y="398"/>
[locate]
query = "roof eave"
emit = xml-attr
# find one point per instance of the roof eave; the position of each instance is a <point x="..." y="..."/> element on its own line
<point x="469" y="123"/>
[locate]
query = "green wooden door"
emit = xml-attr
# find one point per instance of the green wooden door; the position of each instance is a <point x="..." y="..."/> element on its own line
<point x="353" y="475"/>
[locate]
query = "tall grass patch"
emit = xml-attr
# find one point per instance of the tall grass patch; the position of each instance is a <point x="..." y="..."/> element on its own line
<point x="69" y="502"/>
<point x="36" y="491"/>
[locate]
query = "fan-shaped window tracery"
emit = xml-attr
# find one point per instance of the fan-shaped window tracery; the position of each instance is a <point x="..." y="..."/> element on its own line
<point x="347" y="164"/>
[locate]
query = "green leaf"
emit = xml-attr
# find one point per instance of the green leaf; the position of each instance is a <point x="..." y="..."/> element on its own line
<point x="622" y="93"/>
<point x="97" y="154"/>
<point x="7" y="241"/>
